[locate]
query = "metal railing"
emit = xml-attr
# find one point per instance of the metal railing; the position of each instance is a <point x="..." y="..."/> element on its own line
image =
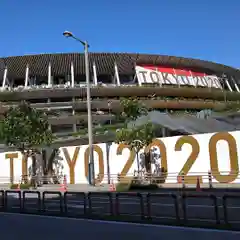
<point x="170" y="179"/>
<point x="186" y="209"/>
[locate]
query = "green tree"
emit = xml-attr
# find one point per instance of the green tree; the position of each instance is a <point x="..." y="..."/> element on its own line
<point x="132" y="108"/>
<point x="27" y="130"/>
<point x="135" y="136"/>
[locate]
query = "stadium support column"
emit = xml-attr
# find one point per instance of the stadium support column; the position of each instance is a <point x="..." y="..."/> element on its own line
<point x="116" y="74"/>
<point x="235" y="84"/>
<point x="164" y="132"/>
<point x="225" y="80"/>
<point x="73" y="99"/>
<point x="4" y="77"/>
<point x="49" y="85"/>
<point x="229" y="86"/>
<point x="49" y="75"/>
<point x="176" y="76"/>
<point x="95" y="74"/>
<point x="26" y="76"/>
<point x="72" y="75"/>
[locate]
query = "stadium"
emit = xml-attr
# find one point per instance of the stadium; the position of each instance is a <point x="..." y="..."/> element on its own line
<point x="179" y="87"/>
<point x="186" y="97"/>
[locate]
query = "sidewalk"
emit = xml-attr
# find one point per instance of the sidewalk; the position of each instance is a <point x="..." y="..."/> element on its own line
<point x="173" y="187"/>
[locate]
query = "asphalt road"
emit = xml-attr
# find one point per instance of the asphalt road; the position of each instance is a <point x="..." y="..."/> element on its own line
<point x="162" y="207"/>
<point x="42" y="227"/>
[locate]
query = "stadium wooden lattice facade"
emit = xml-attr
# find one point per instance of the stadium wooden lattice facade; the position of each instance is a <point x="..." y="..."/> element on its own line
<point x="56" y="82"/>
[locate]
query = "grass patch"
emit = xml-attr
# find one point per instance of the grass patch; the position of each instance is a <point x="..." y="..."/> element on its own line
<point x="135" y="186"/>
<point x="122" y="187"/>
<point x="24" y="186"/>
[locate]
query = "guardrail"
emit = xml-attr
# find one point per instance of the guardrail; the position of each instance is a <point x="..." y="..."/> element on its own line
<point x="208" y="179"/>
<point x="185" y="209"/>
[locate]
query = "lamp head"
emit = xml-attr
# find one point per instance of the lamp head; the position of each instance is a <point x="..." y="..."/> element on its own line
<point x="67" y="34"/>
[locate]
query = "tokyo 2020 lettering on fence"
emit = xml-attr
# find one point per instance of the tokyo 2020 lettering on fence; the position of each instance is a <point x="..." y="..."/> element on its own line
<point x="194" y="155"/>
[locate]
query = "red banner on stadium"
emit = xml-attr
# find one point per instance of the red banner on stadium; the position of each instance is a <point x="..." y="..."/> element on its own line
<point x="165" y="75"/>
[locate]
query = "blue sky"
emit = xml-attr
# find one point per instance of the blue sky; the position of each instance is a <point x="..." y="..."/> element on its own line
<point x="206" y="29"/>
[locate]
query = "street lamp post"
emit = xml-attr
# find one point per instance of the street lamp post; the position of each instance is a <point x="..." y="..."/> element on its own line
<point x="89" y="111"/>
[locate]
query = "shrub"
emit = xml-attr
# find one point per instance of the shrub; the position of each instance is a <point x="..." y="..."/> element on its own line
<point x="159" y="179"/>
<point x="122" y="187"/>
<point x="144" y="187"/>
<point x="22" y="186"/>
<point x="136" y="180"/>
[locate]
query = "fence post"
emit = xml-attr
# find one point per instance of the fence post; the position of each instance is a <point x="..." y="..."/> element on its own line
<point x="2" y="199"/>
<point x="225" y="211"/>
<point x="118" y="177"/>
<point x="184" y="207"/>
<point x="210" y="179"/>
<point x="183" y="180"/>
